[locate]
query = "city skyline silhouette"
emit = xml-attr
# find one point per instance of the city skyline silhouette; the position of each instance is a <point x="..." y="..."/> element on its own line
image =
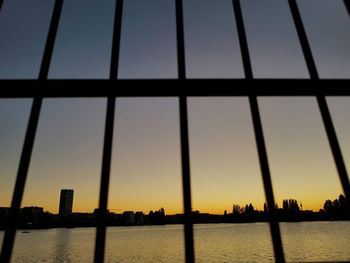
<point x="276" y="132"/>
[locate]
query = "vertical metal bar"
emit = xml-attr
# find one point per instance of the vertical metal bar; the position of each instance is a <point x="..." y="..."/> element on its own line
<point x="100" y="241"/>
<point x="242" y="40"/>
<point x="113" y="74"/>
<point x="185" y="153"/>
<point x="106" y="164"/>
<point x="347" y="5"/>
<point x="180" y="40"/>
<point x="310" y="63"/>
<point x="321" y="101"/>
<point x="264" y="166"/>
<point x="335" y="147"/>
<point x="186" y="182"/>
<point x="259" y="136"/>
<point x="50" y="41"/>
<point x="10" y="231"/>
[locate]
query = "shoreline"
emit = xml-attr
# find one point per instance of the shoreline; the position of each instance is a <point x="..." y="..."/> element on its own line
<point x="177" y="224"/>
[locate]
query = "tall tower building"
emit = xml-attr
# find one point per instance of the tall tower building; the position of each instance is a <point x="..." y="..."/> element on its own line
<point x="66" y="201"/>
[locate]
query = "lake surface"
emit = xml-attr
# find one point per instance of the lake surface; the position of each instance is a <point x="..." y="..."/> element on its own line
<point x="303" y="242"/>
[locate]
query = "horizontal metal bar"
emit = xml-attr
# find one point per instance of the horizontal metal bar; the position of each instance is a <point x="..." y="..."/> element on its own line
<point x="162" y="88"/>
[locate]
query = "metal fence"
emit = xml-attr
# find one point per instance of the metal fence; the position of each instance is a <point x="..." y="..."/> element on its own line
<point x="181" y="88"/>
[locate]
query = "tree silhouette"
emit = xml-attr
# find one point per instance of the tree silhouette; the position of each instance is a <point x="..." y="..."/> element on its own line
<point x="290" y="205"/>
<point x="336" y="209"/>
<point x="236" y="209"/>
<point x="157" y="217"/>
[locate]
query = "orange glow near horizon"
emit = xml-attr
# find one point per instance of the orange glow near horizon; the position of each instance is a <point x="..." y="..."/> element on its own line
<point x="146" y="160"/>
<point x="314" y="205"/>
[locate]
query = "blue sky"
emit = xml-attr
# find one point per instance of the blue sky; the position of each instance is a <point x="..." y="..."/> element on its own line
<point x="148" y="44"/>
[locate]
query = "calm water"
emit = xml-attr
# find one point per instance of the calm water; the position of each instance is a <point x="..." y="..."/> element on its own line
<point x="307" y="241"/>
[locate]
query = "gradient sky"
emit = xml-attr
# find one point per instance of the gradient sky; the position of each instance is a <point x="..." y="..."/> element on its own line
<point x="83" y="40"/>
<point x="146" y="172"/>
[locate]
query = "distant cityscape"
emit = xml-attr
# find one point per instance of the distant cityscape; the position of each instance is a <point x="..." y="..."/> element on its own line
<point x="34" y="217"/>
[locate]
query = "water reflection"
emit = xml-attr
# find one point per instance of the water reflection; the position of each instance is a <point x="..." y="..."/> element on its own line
<point x="316" y="241"/>
<point x="62" y="252"/>
<point x="326" y="241"/>
<point x="145" y="244"/>
<point x="233" y="243"/>
<point x="55" y="245"/>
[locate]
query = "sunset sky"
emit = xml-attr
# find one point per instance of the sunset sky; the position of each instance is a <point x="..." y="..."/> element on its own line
<point x="146" y="172"/>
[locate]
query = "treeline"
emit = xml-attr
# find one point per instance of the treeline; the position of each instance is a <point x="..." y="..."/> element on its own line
<point x="291" y="211"/>
<point x="336" y="209"/>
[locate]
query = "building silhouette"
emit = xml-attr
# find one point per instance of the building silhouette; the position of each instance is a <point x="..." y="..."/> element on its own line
<point x="139" y="218"/>
<point x="129" y="218"/>
<point x="66" y="201"/>
<point x="4" y="211"/>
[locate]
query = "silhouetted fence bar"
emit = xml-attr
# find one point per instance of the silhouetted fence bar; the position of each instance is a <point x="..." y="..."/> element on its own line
<point x="70" y="88"/>
<point x="265" y="171"/>
<point x="347" y="5"/>
<point x="242" y="37"/>
<point x="50" y="41"/>
<point x="181" y="64"/>
<point x="186" y="182"/>
<point x="100" y="242"/>
<point x="185" y="152"/>
<point x="335" y="147"/>
<point x="181" y="88"/>
<point x="310" y="62"/>
<point x="105" y="175"/>
<point x="259" y="136"/>
<point x="324" y="110"/>
<point x="10" y="231"/>
<point x="117" y="28"/>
